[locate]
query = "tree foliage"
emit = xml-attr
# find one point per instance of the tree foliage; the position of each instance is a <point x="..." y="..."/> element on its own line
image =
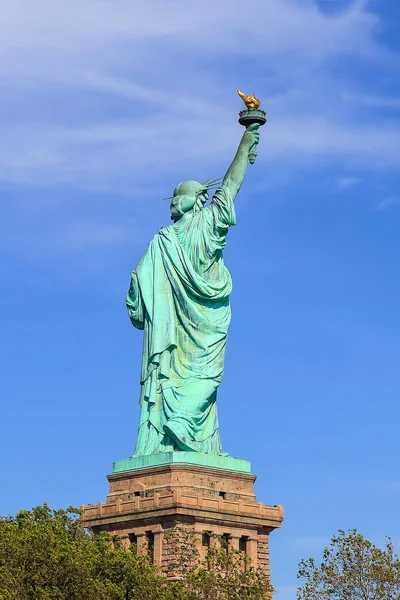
<point x="352" y="568"/>
<point x="48" y="555"/>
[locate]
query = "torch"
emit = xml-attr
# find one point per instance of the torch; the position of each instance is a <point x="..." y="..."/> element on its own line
<point x="250" y="115"/>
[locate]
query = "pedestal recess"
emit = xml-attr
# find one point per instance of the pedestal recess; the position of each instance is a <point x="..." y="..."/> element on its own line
<point x="143" y="503"/>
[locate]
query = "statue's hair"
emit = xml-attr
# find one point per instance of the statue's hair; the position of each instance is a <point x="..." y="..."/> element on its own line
<point x="186" y="196"/>
<point x="205" y="186"/>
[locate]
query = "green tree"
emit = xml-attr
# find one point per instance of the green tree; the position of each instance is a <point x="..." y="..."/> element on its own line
<point x="352" y="568"/>
<point x="48" y="555"/>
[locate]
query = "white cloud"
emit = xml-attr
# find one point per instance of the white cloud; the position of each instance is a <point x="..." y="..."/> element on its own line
<point x="95" y="29"/>
<point x="345" y="183"/>
<point x="127" y="97"/>
<point x="388" y="203"/>
<point x="373" y="146"/>
<point x="165" y="57"/>
<point x="372" y="101"/>
<point x="112" y="156"/>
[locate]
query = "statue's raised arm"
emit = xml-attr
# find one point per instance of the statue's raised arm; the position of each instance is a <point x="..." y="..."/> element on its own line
<point x="235" y="174"/>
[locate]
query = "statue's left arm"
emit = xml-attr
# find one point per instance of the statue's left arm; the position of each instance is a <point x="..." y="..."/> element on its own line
<point x="235" y="174"/>
<point x="135" y="304"/>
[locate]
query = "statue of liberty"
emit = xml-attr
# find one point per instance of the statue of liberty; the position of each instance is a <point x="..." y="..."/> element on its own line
<point x="179" y="297"/>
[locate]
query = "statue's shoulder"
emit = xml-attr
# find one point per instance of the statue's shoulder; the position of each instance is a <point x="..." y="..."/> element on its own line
<point x="168" y="229"/>
<point x="167" y="233"/>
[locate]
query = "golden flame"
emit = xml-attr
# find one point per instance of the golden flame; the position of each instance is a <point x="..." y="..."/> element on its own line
<point x="250" y="101"/>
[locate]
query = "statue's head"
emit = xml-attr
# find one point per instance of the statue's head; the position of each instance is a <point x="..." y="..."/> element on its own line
<point x="188" y="195"/>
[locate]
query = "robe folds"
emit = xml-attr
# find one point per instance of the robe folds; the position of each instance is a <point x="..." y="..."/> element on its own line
<point x="179" y="296"/>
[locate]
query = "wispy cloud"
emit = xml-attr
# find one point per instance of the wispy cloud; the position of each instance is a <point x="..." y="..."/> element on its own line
<point x="119" y="154"/>
<point x="372" y="101"/>
<point x="388" y="203"/>
<point x="145" y="53"/>
<point x="129" y="97"/>
<point x="345" y="183"/>
<point x="93" y="33"/>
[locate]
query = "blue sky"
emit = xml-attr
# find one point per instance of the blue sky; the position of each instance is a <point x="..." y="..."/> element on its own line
<point x="105" y="107"/>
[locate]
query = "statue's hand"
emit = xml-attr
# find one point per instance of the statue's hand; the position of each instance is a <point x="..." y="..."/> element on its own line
<point x="251" y="136"/>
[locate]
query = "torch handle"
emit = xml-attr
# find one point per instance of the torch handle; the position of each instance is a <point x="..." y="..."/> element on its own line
<point x="248" y="117"/>
<point x="253" y="154"/>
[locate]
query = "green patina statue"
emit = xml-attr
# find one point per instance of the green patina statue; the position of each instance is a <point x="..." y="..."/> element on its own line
<point x="179" y="296"/>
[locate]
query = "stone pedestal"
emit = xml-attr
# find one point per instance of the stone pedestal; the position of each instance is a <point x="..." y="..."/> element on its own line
<point x="143" y="503"/>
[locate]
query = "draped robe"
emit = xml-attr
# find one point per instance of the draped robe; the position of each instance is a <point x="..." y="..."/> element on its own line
<point x="179" y="296"/>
